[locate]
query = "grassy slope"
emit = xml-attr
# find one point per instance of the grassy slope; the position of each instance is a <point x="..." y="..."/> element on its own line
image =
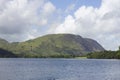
<point x="48" y="46"/>
<point x="62" y="45"/>
<point x="4" y="44"/>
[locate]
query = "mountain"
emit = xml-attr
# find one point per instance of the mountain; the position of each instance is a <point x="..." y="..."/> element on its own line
<point x="3" y="43"/>
<point x="55" y="45"/>
<point x="58" y="45"/>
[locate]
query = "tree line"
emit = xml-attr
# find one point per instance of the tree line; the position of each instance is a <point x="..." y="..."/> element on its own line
<point x="105" y="55"/>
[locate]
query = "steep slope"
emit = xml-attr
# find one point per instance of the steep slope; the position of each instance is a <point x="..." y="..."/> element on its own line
<point x="58" y="44"/>
<point x="92" y="45"/>
<point x="4" y="44"/>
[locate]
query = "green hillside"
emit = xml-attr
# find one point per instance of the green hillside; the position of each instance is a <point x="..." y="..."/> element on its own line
<point x="4" y="44"/>
<point x="55" y="45"/>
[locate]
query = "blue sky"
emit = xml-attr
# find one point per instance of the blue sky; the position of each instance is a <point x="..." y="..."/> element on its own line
<point x="28" y="19"/>
<point x="65" y="3"/>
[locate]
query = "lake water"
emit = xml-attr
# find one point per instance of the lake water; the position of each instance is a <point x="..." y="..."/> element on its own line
<point x="59" y="69"/>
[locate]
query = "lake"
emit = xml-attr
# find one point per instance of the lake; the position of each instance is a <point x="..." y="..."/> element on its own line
<point x="59" y="69"/>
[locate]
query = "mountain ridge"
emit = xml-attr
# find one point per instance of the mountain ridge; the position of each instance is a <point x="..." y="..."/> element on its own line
<point x="55" y="44"/>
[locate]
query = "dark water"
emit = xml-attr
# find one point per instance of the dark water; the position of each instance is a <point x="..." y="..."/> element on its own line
<point x="59" y="69"/>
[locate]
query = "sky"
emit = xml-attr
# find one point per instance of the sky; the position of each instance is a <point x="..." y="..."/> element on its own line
<point x="21" y="20"/>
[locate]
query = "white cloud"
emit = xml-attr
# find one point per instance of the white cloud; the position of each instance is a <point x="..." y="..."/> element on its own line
<point x="19" y="18"/>
<point x="48" y="8"/>
<point x="101" y="24"/>
<point x="65" y="27"/>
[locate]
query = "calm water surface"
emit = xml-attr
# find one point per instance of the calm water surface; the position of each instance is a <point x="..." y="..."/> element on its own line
<point x="59" y="69"/>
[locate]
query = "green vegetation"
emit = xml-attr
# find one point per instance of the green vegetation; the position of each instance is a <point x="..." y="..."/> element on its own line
<point x="54" y="45"/>
<point x="81" y="57"/>
<point x="105" y="55"/>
